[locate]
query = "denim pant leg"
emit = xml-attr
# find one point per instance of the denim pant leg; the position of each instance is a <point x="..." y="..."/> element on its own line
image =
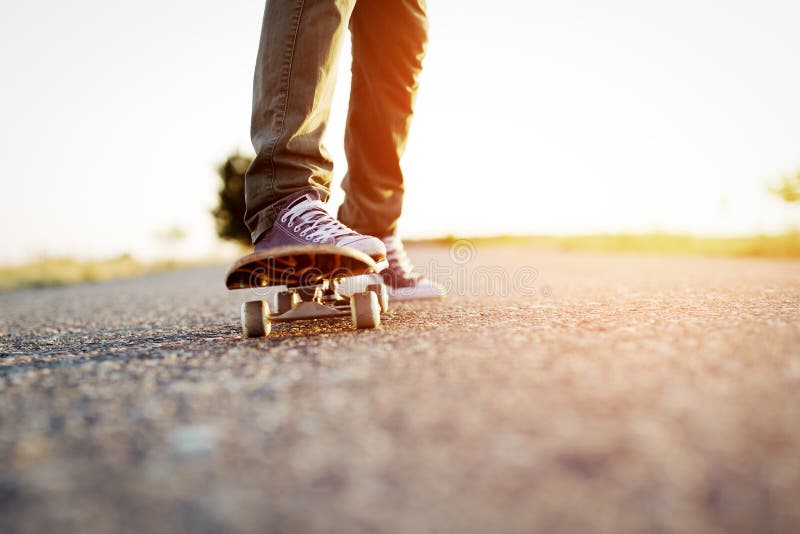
<point x="389" y="39"/>
<point x="292" y="91"/>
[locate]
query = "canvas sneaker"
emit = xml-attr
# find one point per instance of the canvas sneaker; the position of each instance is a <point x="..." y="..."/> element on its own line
<point x="400" y="279"/>
<point x="304" y="220"/>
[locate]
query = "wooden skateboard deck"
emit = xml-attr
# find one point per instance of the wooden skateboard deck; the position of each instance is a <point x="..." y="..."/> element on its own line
<point x="298" y="265"/>
<point x="310" y="275"/>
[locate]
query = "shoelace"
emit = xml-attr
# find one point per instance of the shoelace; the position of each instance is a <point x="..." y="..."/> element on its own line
<point x="312" y="221"/>
<point x="396" y="254"/>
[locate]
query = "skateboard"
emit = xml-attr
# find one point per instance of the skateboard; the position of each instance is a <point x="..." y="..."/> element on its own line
<point x="308" y="280"/>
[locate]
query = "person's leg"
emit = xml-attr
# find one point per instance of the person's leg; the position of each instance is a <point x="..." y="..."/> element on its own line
<point x="389" y="39"/>
<point x="292" y="91"/>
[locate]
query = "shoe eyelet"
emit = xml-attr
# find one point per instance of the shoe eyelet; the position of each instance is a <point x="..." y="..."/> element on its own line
<point x="308" y="238"/>
<point x="296" y="228"/>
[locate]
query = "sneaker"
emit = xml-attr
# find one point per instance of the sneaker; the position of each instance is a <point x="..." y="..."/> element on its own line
<point x="401" y="280"/>
<point x="303" y="220"/>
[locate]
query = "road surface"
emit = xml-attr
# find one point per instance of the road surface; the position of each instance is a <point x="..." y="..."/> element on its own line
<point x="551" y="392"/>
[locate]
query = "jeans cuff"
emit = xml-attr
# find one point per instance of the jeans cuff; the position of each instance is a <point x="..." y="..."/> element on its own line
<point x="265" y="221"/>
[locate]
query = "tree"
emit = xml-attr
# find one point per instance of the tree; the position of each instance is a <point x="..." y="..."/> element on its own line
<point x="788" y="188"/>
<point x="229" y="213"/>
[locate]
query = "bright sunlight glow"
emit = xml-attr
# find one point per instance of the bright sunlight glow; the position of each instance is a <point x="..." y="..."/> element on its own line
<point x="533" y="117"/>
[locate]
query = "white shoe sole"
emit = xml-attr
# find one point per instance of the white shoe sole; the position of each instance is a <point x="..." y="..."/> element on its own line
<point x="354" y="284"/>
<point x="422" y="292"/>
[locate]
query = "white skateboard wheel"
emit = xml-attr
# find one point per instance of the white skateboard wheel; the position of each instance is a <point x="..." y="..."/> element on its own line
<point x="365" y="310"/>
<point x="383" y="295"/>
<point x="255" y="319"/>
<point x="285" y="300"/>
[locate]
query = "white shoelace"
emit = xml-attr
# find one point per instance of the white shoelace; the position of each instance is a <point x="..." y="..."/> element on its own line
<point x="312" y="221"/>
<point x="396" y="254"/>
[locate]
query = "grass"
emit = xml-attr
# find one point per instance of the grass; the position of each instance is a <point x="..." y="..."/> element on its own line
<point x="762" y="246"/>
<point x="60" y="271"/>
<point x="49" y="271"/>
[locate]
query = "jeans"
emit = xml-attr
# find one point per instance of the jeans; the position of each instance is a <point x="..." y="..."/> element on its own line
<point x="292" y="92"/>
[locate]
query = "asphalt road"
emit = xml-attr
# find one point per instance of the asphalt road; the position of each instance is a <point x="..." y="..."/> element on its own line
<point x="551" y="392"/>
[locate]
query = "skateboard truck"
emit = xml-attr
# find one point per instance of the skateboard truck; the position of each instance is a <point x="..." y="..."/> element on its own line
<point x="318" y="301"/>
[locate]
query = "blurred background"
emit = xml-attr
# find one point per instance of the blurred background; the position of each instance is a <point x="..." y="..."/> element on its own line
<point x="545" y="118"/>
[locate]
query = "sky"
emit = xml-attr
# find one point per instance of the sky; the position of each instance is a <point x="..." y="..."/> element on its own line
<point x="533" y="117"/>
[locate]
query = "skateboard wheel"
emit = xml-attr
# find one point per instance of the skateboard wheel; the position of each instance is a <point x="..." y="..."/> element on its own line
<point x="383" y="295"/>
<point x="285" y="301"/>
<point x="255" y="319"/>
<point x="365" y="310"/>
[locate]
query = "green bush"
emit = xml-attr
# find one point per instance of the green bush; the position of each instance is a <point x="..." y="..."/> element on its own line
<point x="229" y="213"/>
